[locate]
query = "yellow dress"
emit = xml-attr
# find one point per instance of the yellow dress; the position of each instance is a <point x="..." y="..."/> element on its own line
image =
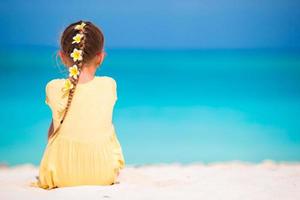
<point x="85" y="150"/>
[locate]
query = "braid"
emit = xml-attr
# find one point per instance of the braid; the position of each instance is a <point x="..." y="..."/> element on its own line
<point x="78" y="45"/>
<point x="79" y="64"/>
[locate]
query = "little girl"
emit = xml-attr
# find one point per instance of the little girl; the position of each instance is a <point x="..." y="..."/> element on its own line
<point x="82" y="148"/>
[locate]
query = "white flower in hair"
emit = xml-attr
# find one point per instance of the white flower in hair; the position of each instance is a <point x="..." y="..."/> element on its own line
<point x="74" y="72"/>
<point x="76" y="55"/>
<point x="77" y="38"/>
<point x="80" y="26"/>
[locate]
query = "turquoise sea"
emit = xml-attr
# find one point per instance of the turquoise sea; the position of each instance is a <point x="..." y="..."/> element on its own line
<point x="173" y="105"/>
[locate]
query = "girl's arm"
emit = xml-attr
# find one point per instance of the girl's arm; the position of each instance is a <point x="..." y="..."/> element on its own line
<point x="50" y="130"/>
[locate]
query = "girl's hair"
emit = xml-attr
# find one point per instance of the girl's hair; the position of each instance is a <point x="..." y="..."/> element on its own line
<point x="91" y="43"/>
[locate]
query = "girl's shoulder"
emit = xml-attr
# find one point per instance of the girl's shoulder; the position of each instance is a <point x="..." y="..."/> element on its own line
<point x="108" y="79"/>
<point x="53" y="87"/>
<point x="54" y="83"/>
<point x="111" y="84"/>
<point x="59" y="82"/>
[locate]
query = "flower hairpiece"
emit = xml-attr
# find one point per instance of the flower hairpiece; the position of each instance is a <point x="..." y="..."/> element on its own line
<point x="68" y="85"/>
<point x="76" y="55"/>
<point x="74" y="72"/>
<point x="80" y="26"/>
<point x="77" y="38"/>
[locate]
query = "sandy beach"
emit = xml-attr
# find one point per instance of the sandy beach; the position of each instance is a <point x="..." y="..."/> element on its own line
<point x="228" y="180"/>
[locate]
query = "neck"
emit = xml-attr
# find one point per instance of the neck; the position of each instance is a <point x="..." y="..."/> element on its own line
<point x="87" y="74"/>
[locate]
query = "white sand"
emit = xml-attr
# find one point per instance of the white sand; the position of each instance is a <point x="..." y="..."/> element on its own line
<point x="231" y="180"/>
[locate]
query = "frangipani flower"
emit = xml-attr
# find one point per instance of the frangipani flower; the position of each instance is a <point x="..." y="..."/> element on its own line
<point x="77" y="38"/>
<point x="68" y="85"/>
<point x="74" y="72"/>
<point x="80" y="26"/>
<point x="76" y="55"/>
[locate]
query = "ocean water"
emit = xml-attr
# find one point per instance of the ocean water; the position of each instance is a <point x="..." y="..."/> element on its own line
<point x="173" y="105"/>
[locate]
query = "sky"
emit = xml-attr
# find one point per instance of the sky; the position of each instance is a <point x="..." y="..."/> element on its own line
<point x="157" y="23"/>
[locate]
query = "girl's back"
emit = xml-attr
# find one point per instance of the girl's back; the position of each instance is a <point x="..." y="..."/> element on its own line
<point x="85" y="150"/>
<point x="90" y="113"/>
<point x="82" y="147"/>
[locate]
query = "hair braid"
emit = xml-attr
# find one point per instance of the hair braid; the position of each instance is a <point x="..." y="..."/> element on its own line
<point x="74" y="81"/>
<point x="79" y="64"/>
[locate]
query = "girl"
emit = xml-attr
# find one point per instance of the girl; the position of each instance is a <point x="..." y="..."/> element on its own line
<point x="82" y="148"/>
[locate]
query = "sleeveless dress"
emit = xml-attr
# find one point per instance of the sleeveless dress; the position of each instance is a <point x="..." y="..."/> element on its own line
<point x="85" y="150"/>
